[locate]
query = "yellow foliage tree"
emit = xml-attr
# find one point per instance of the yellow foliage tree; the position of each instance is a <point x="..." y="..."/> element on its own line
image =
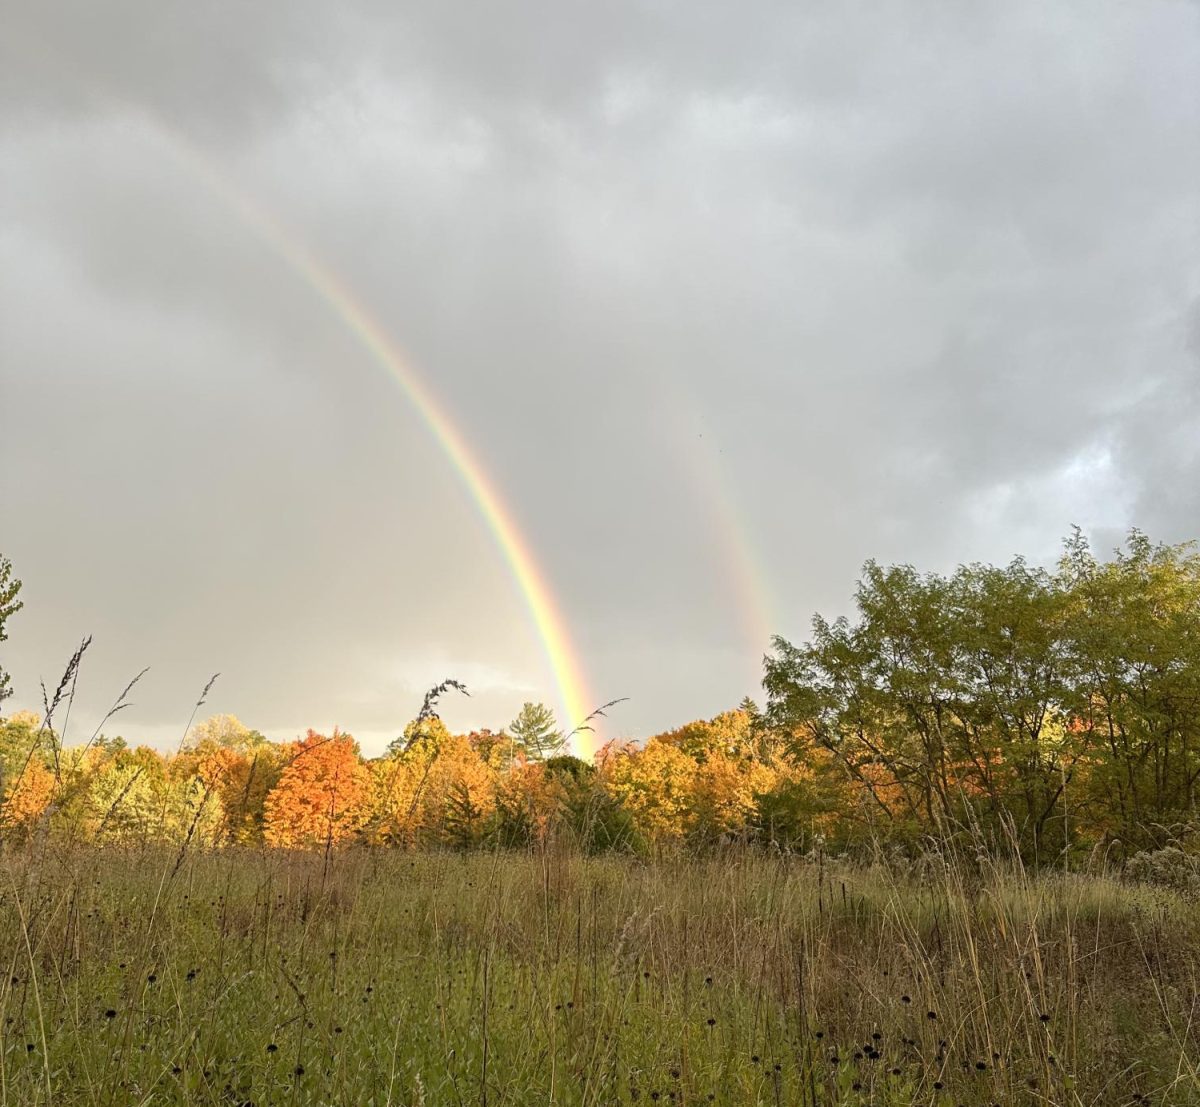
<point x="724" y="791"/>
<point x="439" y="788"/>
<point x="729" y="734"/>
<point x="654" y="783"/>
<point x="224" y="730"/>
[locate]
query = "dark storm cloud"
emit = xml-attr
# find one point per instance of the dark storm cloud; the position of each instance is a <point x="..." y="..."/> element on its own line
<point x="920" y="278"/>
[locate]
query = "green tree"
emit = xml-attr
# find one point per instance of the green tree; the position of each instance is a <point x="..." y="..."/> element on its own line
<point x="1060" y="707"/>
<point x="535" y="731"/>
<point x="9" y="605"/>
<point x="462" y="818"/>
<point x="944" y="700"/>
<point x="1133" y="641"/>
<point x="593" y="819"/>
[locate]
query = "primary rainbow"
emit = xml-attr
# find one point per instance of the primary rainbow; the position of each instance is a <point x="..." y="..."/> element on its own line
<point x="340" y="299"/>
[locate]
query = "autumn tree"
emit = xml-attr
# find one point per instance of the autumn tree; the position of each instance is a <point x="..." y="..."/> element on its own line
<point x="22" y="739"/>
<point x="723" y="793"/>
<point x="227" y="731"/>
<point x="729" y="734"/>
<point x="241" y="778"/>
<point x="654" y="785"/>
<point x="127" y="796"/>
<point x="27" y="782"/>
<point x="526" y="804"/>
<point x="27" y="799"/>
<point x="494" y="747"/>
<point x="434" y="788"/>
<point x="192" y="805"/>
<point x="427" y="733"/>
<point x="323" y="793"/>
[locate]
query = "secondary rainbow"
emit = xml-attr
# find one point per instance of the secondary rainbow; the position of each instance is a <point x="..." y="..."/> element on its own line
<point x="336" y="294"/>
<point x="743" y="573"/>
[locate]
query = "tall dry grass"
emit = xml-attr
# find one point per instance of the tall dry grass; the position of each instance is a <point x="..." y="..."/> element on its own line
<point x="147" y="977"/>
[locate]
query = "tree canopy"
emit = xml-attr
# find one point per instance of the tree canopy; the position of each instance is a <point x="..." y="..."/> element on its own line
<point x="1047" y="710"/>
<point x="1026" y="701"/>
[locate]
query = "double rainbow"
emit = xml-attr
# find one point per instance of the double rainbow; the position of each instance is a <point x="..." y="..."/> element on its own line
<point x="742" y="569"/>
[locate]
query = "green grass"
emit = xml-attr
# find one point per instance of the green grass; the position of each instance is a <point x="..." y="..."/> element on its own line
<point x="392" y="978"/>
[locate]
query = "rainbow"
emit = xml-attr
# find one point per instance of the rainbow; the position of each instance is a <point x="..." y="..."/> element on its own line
<point x="575" y="700"/>
<point x="336" y="294"/>
<point x="743" y="571"/>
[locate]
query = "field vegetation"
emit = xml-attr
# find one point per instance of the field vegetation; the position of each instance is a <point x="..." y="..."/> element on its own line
<point x="144" y="976"/>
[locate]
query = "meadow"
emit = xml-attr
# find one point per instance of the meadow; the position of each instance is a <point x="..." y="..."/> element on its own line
<point x="954" y="861"/>
<point x="151" y="975"/>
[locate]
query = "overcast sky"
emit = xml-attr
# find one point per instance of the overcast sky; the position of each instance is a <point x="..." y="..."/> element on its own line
<point x="725" y="298"/>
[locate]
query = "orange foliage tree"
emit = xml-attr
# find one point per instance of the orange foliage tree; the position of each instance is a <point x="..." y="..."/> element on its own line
<point x="528" y="798"/>
<point x="323" y="794"/>
<point x="242" y="779"/>
<point x="28" y="797"/>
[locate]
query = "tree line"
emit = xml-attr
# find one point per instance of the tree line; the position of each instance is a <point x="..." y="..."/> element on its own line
<point x="1053" y="711"/>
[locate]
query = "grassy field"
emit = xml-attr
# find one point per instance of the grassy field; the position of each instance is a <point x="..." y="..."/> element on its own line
<point x="393" y="978"/>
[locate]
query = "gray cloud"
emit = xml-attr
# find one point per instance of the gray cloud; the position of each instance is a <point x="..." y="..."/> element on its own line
<point x="908" y="281"/>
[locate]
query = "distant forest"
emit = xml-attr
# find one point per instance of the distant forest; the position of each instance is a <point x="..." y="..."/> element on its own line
<point x="1051" y="712"/>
